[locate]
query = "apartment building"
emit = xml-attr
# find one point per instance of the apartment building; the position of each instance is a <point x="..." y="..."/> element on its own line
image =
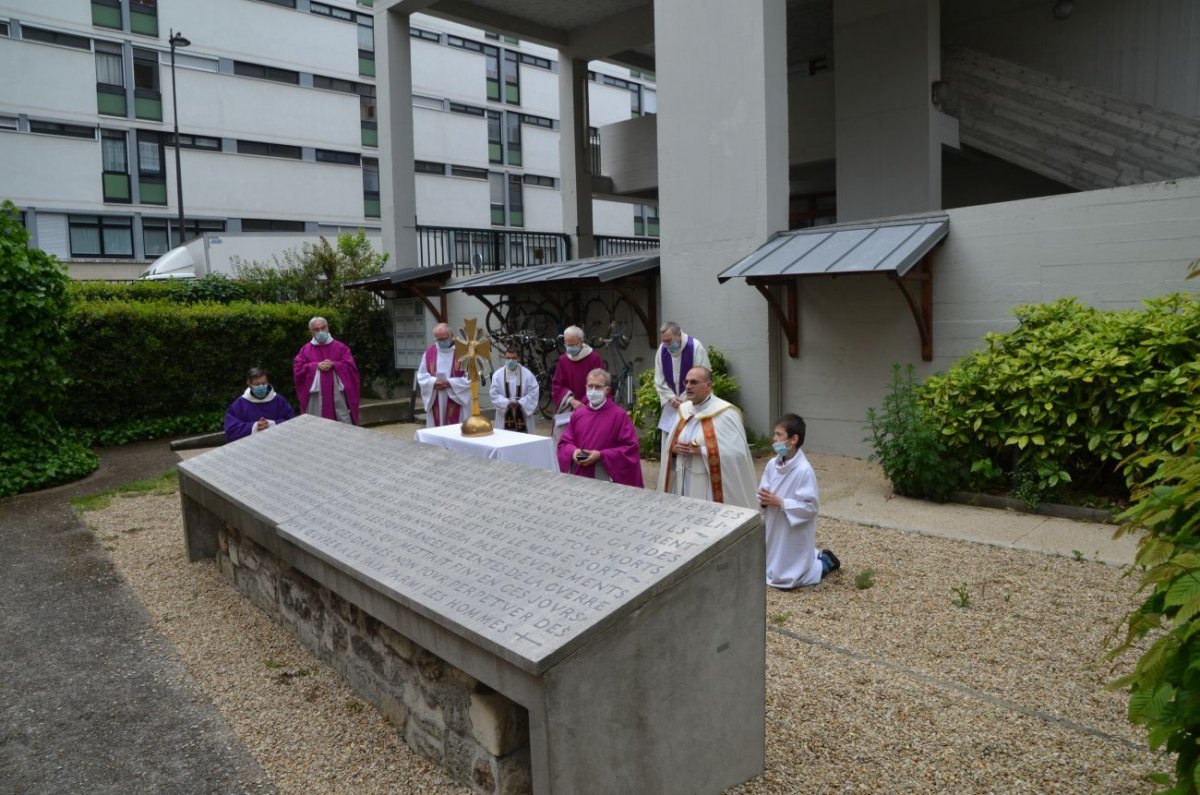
<point x="277" y="127"/>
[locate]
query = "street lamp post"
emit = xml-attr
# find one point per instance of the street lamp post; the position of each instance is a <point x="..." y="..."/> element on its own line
<point x="177" y="40"/>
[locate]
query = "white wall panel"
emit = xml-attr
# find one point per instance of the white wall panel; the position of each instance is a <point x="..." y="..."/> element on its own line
<point x="446" y="137"/>
<point x="49" y="171"/>
<point x="543" y="209"/>
<point x="262" y="110"/>
<point x="441" y="71"/>
<point x="246" y="186"/>
<point x="607" y="105"/>
<point x="453" y="201"/>
<point x="539" y="91"/>
<point x="65" y="84"/>
<point x="613" y="218"/>
<point x="61" y="14"/>
<point x="265" y="33"/>
<point x="540" y="148"/>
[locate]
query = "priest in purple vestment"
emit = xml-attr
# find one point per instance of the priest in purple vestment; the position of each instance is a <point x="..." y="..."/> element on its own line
<point x="568" y="387"/>
<point x="600" y="440"/>
<point x="326" y="376"/>
<point x="258" y="408"/>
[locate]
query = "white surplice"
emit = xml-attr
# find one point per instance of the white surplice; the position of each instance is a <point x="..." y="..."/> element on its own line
<point x="690" y="473"/>
<point x="792" y="530"/>
<point x="529" y="394"/>
<point x="459" y="391"/>
<point x="699" y="359"/>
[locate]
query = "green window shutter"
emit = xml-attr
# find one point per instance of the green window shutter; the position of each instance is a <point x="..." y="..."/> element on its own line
<point x="366" y="67"/>
<point x="106" y="16"/>
<point x="516" y="218"/>
<point x="497" y="216"/>
<point x="145" y="108"/>
<point x="370" y="137"/>
<point x="116" y="187"/>
<point x="371" y="208"/>
<point x="141" y="22"/>
<point x="110" y="104"/>
<point x="512" y="94"/>
<point x="152" y="192"/>
<point x="493" y="90"/>
<point x="494" y="153"/>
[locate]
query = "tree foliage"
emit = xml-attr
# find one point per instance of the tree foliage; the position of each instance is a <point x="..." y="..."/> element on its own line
<point x="34" y="451"/>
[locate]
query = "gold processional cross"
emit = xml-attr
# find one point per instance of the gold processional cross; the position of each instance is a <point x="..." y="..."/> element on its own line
<point x="469" y="350"/>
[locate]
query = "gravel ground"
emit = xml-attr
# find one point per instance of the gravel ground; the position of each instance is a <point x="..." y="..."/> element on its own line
<point x="894" y="688"/>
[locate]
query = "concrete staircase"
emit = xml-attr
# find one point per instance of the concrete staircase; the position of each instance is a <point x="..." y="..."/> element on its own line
<point x="1075" y="135"/>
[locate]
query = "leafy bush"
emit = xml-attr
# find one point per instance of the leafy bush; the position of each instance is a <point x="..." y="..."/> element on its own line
<point x="647" y="408"/>
<point x="34" y="451"/>
<point x="149" y="363"/>
<point x="1069" y="393"/>
<point x="909" y="446"/>
<point x="317" y="275"/>
<point x="213" y="288"/>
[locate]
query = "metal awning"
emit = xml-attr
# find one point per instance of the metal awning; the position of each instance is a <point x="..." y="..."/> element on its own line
<point x="622" y="273"/>
<point x="899" y="248"/>
<point x="419" y="282"/>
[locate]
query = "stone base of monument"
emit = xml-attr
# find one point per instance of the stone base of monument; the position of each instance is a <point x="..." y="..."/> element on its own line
<point x="443" y="713"/>
<point x="525" y="629"/>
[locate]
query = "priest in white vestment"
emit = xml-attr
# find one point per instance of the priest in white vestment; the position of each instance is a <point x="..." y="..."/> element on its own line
<point x="677" y="354"/>
<point x="445" y="388"/>
<point x="787" y="493"/>
<point x="514" y="393"/>
<point x="705" y="454"/>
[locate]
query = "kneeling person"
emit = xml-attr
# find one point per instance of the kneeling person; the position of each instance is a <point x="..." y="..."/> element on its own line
<point x="788" y="496"/>
<point x="514" y="394"/>
<point x="259" y="407"/>
<point x="600" y="440"/>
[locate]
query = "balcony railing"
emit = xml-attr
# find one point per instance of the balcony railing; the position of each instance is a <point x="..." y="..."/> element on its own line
<point x="607" y="246"/>
<point x="482" y="250"/>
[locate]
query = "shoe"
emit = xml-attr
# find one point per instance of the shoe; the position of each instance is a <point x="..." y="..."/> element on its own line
<point x="834" y="563"/>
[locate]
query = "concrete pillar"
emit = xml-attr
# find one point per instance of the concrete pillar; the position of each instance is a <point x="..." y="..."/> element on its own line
<point x="723" y="175"/>
<point x="574" y="168"/>
<point x="886" y="58"/>
<point x="394" y="112"/>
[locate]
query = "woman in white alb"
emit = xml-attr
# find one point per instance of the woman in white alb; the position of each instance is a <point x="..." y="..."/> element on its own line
<point x="787" y="493"/>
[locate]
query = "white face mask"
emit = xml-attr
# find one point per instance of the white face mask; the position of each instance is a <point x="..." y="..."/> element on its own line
<point x="596" y="397"/>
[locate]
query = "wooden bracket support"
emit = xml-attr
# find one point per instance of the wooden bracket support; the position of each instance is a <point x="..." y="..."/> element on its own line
<point x="922" y="313"/>
<point x="787" y="312"/>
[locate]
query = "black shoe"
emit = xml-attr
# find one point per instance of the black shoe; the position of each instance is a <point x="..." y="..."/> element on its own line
<point x="834" y="563"/>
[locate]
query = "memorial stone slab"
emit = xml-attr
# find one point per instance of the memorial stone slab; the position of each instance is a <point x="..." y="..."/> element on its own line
<point x="522" y="576"/>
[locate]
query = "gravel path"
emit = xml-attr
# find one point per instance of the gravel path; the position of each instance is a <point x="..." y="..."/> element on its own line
<point x="893" y="688"/>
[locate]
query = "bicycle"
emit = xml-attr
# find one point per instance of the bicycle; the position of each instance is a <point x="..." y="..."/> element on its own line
<point x="624" y="387"/>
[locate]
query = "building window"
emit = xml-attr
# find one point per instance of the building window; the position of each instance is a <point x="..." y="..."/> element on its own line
<point x="268" y="149"/>
<point x="284" y="3"/>
<point x="491" y="57"/>
<point x="469" y="110"/>
<point x="4" y="32"/>
<point x="507" y="199"/>
<point x="331" y="11"/>
<point x="366" y="115"/>
<point x="425" y="35"/>
<point x="429" y="167"/>
<point x="512" y="79"/>
<point x="370" y="168"/>
<point x="143" y="17"/>
<point x="333" y="156"/>
<point x="9" y="123"/>
<point x="262" y="72"/>
<point x="152" y="182"/>
<point x="533" y="60"/>
<point x="465" y="44"/>
<point x="271" y="225"/>
<point x="366" y="45"/>
<point x="106" y="14"/>
<point x="114" y="158"/>
<point x="513" y="142"/>
<point x="540" y="181"/>
<point x="433" y="103"/>
<point x="100" y="236"/>
<point x="59" y="128"/>
<point x="537" y="121"/>
<point x="495" y="137"/>
<point x="516" y="201"/>
<point x="147" y="94"/>
<point x="55" y="37"/>
<point x="468" y="172"/>
<point x="161" y="234"/>
<point x="335" y="84"/>
<point x="110" y="80"/>
<point x="197" y="142"/>
<point x="645" y="220"/>
<point x="649" y="101"/>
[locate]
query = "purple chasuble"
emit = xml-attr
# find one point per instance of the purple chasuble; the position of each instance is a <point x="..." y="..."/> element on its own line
<point x="685" y="364"/>
<point x="243" y="414"/>
<point x="609" y="430"/>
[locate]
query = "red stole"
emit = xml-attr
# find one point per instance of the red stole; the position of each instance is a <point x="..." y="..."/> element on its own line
<point x="453" y="410"/>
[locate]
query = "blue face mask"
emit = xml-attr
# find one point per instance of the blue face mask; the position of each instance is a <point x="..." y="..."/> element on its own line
<point x="674" y="347"/>
<point x="573" y="350"/>
<point x="511" y="364"/>
<point x="445" y="344"/>
<point x="322" y="337"/>
<point x="780" y="448"/>
<point x="260" y="390"/>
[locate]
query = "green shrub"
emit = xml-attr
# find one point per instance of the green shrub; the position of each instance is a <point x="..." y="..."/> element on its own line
<point x="1068" y="394"/>
<point x="214" y="288"/>
<point x="150" y="363"/>
<point x="909" y="446"/>
<point x="34" y="451"/>
<point x="647" y="409"/>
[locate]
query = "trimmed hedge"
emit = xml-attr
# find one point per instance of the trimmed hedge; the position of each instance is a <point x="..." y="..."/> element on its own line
<point x="144" y="361"/>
